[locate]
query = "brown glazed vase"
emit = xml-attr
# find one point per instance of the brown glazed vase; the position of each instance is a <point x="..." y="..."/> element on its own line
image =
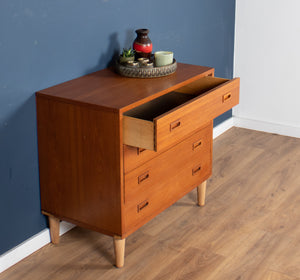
<point x="142" y="44"/>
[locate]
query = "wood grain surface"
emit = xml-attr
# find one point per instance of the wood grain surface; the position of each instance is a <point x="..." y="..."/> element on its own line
<point x="99" y="88"/>
<point x="249" y="228"/>
<point x="176" y="114"/>
<point x="80" y="177"/>
<point x="163" y="180"/>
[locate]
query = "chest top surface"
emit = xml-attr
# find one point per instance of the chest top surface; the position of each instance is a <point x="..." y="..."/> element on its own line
<point x="111" y="91"/>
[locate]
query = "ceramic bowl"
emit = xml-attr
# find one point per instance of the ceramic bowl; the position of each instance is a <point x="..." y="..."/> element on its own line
<point x="163" y="58"/>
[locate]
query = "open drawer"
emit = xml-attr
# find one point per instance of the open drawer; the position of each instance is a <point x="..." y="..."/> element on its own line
<point x="168" y="119"/>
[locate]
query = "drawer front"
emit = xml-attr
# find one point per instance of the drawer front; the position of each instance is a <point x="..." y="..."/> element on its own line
<point x="160" y="182"/>
<point x="134" y="157"/>
<point x="191" y="107"/>
<point x="173" y="126"/>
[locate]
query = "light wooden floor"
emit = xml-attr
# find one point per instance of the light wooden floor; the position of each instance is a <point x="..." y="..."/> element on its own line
<point x="249" y="228"/>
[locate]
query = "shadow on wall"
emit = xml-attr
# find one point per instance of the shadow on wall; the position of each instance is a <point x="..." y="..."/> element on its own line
<point x="107" y="59"/>
<point x="113" y="51"/>
<point x="20" y="197"/>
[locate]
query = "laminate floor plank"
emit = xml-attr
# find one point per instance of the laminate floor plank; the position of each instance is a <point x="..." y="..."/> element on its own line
<point x="248" y="229"/>
<point x="166" y="219"/>
<point x="274" y="275"/>
<point x="191" y="264"/>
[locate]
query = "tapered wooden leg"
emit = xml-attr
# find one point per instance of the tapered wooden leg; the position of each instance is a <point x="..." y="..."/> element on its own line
<point x="201" y="190"/>
<point x="119" y="246"/>
<point x="54" y="229"/>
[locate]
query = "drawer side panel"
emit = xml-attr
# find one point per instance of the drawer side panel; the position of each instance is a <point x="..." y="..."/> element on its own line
<point x="138" y="132"/>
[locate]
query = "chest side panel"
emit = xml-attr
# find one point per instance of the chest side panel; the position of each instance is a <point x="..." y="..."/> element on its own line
<point x="79" y="159"/>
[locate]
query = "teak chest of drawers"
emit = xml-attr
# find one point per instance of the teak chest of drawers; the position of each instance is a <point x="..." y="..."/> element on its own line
<point x="114" y="152"/>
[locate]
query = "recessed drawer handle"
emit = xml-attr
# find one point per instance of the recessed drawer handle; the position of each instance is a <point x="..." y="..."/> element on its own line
<point x="196" y="170"/>
<point x="143" y="177"/>
<point x="175" y="124"/>
<point x="227" y="97"/>
<point x="142" y="205"/>
<point x="197" y="144"/>
<point x="140" y="150"/>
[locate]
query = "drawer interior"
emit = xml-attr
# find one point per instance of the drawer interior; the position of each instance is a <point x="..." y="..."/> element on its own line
<point x="169" y="101"/>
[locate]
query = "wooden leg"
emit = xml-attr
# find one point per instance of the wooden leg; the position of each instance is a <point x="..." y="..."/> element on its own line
<point x="54" y="229"/>
<point x="201" y="189"/>
<point x="119" y="246"/>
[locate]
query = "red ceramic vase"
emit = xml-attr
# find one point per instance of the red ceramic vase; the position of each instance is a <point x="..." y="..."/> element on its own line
<point x="142" y="44"/>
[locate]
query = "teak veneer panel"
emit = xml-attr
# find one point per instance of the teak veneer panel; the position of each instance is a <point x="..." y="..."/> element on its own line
<point x="167" y="178"/>
<point x="111" y="91"/>
<point x="134" y="157"/>
<point x="89" y="177"/>
<point x="170" y="118"/>
<point x="80" y="174"/>
<point x="196" y="113"/>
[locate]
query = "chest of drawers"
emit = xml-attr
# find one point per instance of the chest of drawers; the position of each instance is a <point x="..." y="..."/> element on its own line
<point x="114" y="152"/>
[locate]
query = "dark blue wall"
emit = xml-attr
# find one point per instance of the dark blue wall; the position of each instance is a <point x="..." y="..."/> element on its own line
<point x="43" y="43"/>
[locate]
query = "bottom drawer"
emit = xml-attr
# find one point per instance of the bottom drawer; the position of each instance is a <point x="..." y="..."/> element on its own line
<point x="160" y="182"/>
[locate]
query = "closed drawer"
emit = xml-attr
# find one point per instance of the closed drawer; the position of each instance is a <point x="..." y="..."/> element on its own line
<point x="166" y="120"/>
<point x="134" y="157"/>
<point x="160" y="182"/>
